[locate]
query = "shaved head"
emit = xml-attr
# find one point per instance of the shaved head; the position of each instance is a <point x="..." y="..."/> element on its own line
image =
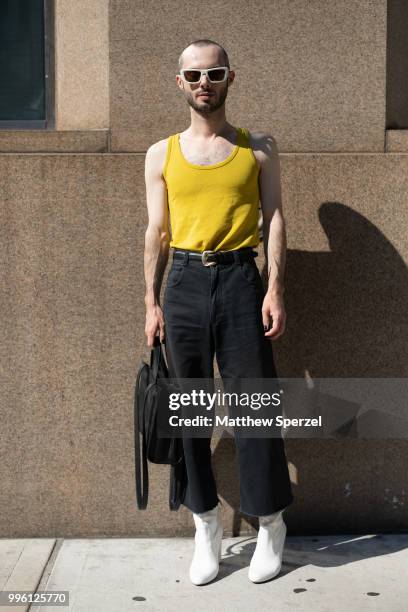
<point x="203" y="42"/>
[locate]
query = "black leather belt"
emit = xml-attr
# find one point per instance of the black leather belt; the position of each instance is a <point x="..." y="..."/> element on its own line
<point x="212" y="258"/>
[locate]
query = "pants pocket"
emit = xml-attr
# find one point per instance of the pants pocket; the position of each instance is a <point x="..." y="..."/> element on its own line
<point x="250" y="273"/>
<point x="175" y="276"/>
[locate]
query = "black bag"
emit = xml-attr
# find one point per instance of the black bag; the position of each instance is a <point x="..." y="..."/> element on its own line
<point x="151" y="392"/>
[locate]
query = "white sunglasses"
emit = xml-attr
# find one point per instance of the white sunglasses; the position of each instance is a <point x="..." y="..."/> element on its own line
<point x="214" y="75"/>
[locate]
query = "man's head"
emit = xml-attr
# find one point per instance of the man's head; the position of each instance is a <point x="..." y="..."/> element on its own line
<point x="204" y="54"/>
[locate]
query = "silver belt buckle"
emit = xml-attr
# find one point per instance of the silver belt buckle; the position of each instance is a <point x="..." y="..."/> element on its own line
<point x="204" y="259"/>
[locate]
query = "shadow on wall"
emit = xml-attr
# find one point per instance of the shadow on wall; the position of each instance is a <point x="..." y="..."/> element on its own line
<point x="345" y="318"/>
<point x="345" y="307"/>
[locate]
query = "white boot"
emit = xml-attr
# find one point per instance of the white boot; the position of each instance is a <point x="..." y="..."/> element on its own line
<point x="267" y="558"/>
<point x="207" y="553"/>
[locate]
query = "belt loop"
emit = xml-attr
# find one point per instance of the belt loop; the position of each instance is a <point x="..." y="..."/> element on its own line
<point x="186" y="258"/>
<point x="237" y="258"/>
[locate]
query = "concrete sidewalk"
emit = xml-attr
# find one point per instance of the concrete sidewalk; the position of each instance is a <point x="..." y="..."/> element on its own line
<point x="320" y="573"/>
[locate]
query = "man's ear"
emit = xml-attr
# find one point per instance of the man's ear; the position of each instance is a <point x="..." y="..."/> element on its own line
<point x="231" y="77"/>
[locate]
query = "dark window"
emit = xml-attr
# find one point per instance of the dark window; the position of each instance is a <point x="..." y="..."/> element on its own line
<point x="397" y="65"/>
<point x="24" y="63"/>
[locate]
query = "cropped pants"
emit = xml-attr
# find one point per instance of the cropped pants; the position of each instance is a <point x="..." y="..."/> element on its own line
<point x="217" y="310"/>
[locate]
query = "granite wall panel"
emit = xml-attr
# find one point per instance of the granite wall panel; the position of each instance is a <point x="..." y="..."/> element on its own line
<point x="312" y="73"/>
<point x="72" y="326"/>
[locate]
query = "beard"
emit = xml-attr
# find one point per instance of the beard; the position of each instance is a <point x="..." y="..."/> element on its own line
<point x="209" y="106"/>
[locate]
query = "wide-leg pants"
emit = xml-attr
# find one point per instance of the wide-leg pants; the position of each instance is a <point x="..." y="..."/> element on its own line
<point x="217" y="310"/>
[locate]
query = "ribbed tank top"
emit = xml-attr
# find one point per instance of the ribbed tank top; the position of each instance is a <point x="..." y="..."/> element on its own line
<point x="213" y="207"/>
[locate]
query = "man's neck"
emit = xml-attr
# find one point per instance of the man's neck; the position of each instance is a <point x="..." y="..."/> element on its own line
<point x="207" y="126"/>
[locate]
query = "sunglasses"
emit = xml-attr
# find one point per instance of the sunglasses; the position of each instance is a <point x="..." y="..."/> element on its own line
<point x="214" y="75"/>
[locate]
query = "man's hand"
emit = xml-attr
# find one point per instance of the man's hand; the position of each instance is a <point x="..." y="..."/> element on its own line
<point x="154" y="324"/>
<point x="273" y="307"/>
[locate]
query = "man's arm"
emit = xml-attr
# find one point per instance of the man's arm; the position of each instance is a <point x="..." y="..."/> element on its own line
<point x="157" y="239"/>
<point x="274" y="232"/>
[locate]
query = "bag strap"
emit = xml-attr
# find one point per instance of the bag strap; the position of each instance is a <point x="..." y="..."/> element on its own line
<point x="141" y="466"/>
<point x="174" y="493"/>
<point x="155" y="357"/>
<point x="178" y="484"/>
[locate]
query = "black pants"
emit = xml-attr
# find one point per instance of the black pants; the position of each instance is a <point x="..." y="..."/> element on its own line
<point x="217" y="310"/>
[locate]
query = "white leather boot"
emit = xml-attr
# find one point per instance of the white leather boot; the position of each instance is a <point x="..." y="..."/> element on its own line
<point x="267" y="558"/>
<point x="207" y="553"/>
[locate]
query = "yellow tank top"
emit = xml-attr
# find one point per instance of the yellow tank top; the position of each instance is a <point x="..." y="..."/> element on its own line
<point x="213" y="207"/>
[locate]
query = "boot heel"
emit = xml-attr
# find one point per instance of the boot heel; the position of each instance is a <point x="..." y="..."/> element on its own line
<point x="220" y="545"/>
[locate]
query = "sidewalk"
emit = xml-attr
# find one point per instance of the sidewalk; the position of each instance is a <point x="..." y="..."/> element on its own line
<point x="319" y="573"/>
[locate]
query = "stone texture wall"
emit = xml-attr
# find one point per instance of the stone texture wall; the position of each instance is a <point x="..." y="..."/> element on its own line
<point x="311" y="72"/>
<point x="82" y="64"/>
<point x="73" y="216"/>
<point x="72" y="335"/>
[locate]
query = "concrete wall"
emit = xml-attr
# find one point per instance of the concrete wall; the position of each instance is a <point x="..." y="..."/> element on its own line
<point x="73" y="216"/>
<point x="72" y="335"/>
<point x="311" y="72"/>
<point x="82" y="64"/>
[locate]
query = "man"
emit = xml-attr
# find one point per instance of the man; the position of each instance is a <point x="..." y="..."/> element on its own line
<point x="207" y="181"/>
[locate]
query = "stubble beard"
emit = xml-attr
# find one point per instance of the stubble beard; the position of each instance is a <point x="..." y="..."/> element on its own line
<point x="207" y="107"/>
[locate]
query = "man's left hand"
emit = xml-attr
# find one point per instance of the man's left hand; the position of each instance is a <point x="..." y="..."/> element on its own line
<point x="273" y="308"/>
